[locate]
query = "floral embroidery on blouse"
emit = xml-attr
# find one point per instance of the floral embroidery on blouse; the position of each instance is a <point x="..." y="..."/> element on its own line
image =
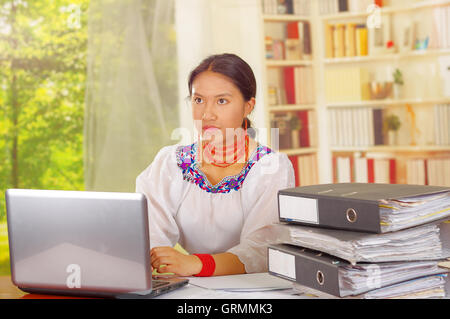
<point x="191" y="173"/>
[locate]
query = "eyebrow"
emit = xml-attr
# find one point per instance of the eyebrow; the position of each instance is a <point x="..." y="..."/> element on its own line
<point x="219" y="95"/>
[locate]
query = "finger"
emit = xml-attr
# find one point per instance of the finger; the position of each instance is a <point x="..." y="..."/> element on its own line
<point x="161" y="248"/>
<point x="162" y="261"/>
<point x="166" y="269"/>
<point x="161" y="251"/>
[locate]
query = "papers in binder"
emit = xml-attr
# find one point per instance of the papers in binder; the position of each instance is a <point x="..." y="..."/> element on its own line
<point x="402" y="213"/>
<point x="355" y="280"/>
<point x="420" y="243"/>
<point x="425" y="242"/>
<point x="420" y="288"/>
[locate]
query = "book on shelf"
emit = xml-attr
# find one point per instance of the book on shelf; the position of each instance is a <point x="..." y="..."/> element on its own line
<point x="305" y="169"/>
<point x="274" y="48"/>
<point x="277" y="6"/>
<point x="356" y="126"/>
<point x="380" y="39"/>
<point x="361" y="40"/>
<point x="416" y="172"/>
<point x="294" y="45"/>
<point x="349" y="169"/>
<point x="307" y="45"/>
<point x="441" y="124"/>
<point x="297" y="7"/>
<point x="440" y="36"/>
<point x="282" y="121"/>
<point x="433" y="171"/>
<point x="296" y="128"/>
<point x="274" y="95"/>
<point x="339" y="40"/>
<point x="298" y="85"/>
<point x="302" y="7"/>
<point x="329" y="40"/>
<point x="437" y="171"/>
<point x="356" y="39"/>
<point x="444" y="71"/>
<point x="337" y="6"/>
<point x="428" y="171"/>
<point x="347" y="84"/>
<point x="350" y="40"/>
<point x="268" y="44"/>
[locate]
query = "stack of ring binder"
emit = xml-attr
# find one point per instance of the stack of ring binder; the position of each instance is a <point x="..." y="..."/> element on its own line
<point x="355" y="240"/>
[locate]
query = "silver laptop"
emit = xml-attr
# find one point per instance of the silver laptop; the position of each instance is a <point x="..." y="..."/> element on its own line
<point x="82" y="243"/>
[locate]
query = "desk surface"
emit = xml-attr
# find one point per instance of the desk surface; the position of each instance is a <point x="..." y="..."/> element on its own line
<point x="9" y="291"/>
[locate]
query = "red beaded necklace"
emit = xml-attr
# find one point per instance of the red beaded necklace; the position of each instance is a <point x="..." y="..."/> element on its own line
<point x="239" y="148"/>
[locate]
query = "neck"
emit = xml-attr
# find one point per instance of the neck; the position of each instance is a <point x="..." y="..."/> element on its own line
<point x="225" y="154"/>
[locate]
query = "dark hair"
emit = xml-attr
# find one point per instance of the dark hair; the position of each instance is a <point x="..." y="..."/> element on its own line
<point x="233" y="67"/>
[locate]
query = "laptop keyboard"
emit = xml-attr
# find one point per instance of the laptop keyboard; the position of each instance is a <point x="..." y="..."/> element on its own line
<point x="158" y="283"/>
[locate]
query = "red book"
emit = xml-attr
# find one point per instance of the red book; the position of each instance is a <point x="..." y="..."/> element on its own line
<point x="334" y="169"/>
<point x="289" y="84"/>
<point x="352" y="169"/>
<point x="370" y="170"/>
<point x="392" y="172"/>
<point x="304" y="132"/>
<point x="294" y="161"/>
<point x="292" y="30"/>
<point x="426" y="171"/>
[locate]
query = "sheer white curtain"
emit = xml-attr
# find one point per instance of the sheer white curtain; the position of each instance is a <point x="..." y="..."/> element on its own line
<point x="131" y="99"/>
<point x="140" y="53"/>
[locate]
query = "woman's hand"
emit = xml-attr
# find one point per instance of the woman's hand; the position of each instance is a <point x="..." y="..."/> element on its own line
<point x="167" y="259"/>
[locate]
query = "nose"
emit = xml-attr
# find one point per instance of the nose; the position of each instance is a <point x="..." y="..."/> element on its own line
<point x="209" y="112"/>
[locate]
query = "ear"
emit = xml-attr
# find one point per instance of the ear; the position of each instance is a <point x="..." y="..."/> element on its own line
<point x="249" y="106"/>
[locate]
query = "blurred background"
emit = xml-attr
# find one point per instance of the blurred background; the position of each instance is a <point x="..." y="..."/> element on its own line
<point x="358" y="90"/>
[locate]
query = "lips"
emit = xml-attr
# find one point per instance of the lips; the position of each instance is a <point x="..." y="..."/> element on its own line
<point x="207" y="127"/>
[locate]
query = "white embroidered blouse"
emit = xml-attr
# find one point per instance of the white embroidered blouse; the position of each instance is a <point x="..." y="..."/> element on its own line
<point x="184" y="207"/>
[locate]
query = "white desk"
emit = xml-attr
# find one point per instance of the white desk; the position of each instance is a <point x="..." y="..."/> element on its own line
<point x="193" y="292"/>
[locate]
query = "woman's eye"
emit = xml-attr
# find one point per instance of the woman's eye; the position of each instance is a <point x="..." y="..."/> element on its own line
<point x="198" y="100"/>
<point x="222" y="101"/>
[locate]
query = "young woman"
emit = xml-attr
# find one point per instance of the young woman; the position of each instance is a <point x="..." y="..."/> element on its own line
<point x="212" y="195"/>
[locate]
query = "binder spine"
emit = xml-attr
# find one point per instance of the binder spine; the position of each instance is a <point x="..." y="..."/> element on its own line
<point x="304" y="270"/>
<point x="348" y="214"/>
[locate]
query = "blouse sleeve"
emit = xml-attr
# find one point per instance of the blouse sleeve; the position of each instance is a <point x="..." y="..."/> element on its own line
<point x="259" y="201"/>
<point x="158" y="182"/>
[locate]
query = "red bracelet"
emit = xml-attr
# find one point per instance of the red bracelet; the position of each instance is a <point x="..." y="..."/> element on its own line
<point x="209" y="265"/>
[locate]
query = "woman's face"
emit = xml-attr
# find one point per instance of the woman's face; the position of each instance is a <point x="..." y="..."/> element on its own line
<point x="218" y="104"/>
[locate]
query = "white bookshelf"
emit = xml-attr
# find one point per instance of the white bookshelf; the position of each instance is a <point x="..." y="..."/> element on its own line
<point x="405" y="59"/>
<point x="284" y="18"/>
<point x="283" y="63"/>
<point x="388" y="10"/>
<point x="388" y="57"/>
<point x="388" y="102"/>
<point x="300" y="151"/>
<point x="320" y="64"/>
<point x="392" y="149"/>
<point x="272" y="64"/>
<point x="289" y="107"/>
